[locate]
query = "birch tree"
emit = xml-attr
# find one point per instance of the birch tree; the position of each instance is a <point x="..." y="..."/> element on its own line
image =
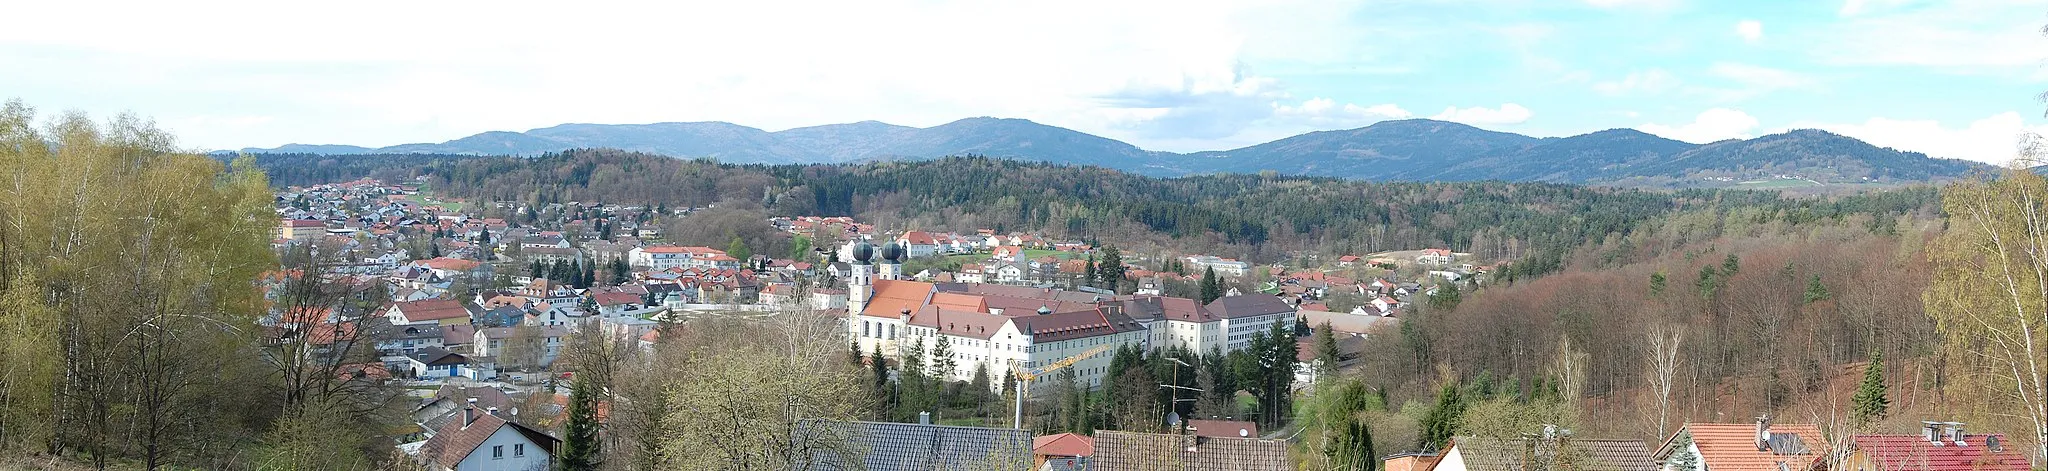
<point x="1988" y="292"/>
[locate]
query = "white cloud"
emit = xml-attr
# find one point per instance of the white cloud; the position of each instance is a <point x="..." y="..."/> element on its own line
<point x="1319" y="111"/>
<point x="1751" y="81"/>
<point x="1651" y="81"/>
<point x="1751" y="31"/>
<point x="1508" y="113"/>
<point x="1133" y="70"/>
<point x="1980" y="36"/>
<point x="1645" y="4"/>
<point x="1993" y="140"/>
<point x="1711" y="125"/>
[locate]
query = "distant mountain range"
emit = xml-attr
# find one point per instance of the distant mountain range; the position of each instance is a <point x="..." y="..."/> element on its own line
<point x="1410" y="150"/>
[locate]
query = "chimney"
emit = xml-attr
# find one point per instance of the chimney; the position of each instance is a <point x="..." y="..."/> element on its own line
<point x="1763" y="433"/>
<point x="1955" y="433"/>
<point x="1931" y="432"/>
<point x="924" y="418"/>
<point x="469" y="413"/>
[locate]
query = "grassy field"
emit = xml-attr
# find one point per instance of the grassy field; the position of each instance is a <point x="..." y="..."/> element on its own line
<point x="1775" y="183"/>
<point x="1028" y="254"/>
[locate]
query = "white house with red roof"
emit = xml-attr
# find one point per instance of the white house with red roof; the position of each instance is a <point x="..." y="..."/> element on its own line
<point x="919" y="244"/>
<point x="663" y="257"/>
<point x="480" y="440"/>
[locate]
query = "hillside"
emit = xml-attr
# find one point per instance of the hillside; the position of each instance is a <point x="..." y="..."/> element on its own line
<point x="1401" y="150"/>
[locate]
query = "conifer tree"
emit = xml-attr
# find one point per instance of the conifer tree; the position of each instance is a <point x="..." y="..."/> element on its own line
<point x="580" y="446"/>
<point x="1870" y="403"/>
<point x="1683" y="459"/>
<point x="1815" y="291"/>
<point x="1442" y="421"/>
<point x="1210" y="288"/>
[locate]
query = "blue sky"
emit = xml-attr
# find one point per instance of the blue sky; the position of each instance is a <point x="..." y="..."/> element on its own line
<point x="1953" y="79"/>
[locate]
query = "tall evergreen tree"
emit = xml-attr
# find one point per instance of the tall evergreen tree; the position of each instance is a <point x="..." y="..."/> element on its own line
<point x="1326" y="347"/>
<point x="1111" y="271"/>
<point x="580" y="446"/>
<point x="1211" y="288"/>
<point x="1441" y="423"/>
<point x="1870" y="403"/>
<point x="1089" y="277"/>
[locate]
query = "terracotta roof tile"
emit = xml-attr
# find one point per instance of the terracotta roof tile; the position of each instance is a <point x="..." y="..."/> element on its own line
<point x="1064" y="444"/>
<point x="1733" y="447"/>
<point x="1913" y="453"/>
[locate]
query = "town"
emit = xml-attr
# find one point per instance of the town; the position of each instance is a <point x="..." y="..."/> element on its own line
<point x="474" y="317"/>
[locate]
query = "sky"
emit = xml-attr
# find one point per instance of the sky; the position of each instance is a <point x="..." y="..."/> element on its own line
<point x="1957" y="79"/>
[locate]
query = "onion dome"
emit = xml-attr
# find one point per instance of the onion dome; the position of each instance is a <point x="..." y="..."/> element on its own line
<point x="892" y="253"/>
<point x="863" y="252"/>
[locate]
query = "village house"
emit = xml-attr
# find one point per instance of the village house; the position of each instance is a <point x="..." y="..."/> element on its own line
<point x="1940" y="446"/>
<point x="428" y="312"/>
<point x="1548" y="451"/>
<point x="482" y="441"/>
<point x="1762" y="446"/>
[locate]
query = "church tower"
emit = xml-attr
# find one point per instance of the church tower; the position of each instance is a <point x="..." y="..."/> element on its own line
<point x="860" y="283"/>
<point x="892" y="261"/>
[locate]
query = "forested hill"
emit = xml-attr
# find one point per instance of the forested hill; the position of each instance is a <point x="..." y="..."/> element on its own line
<point x="1259" y="217"/>
<point x="1400" y="150"/>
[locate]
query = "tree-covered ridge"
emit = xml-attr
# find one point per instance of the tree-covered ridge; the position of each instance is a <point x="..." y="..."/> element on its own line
<point x="1396" y="150"/>
<point x="1263" y="217"/>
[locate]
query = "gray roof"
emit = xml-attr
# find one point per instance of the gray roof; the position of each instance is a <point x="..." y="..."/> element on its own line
<point x="914" y="447"/>
<point x="1116" y="451"/>
<point x="1232" y="307"/>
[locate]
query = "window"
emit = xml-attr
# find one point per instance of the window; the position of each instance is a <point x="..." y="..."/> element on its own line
<point x="518" y="450"/>
<point x="498" y="452"/>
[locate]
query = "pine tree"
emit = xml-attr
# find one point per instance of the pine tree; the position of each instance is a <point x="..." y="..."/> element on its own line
<point x="1091" y="275"/>
<point x="1442" y="421"/>
<point x="1210" y="288"/>
<point x="1683" y="459"/>
<point x="1870" y="402"/>
<point x="580" y="446"/>
<point x="1815" y="291"/>
<point x="1111" y="270"/>
<point x="1326" y="347"/>
<point x="1730" y="265"/>
<point x="1657" y="283"/>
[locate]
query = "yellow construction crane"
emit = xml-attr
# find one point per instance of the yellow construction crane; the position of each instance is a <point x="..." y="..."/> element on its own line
<point x="1026" y="376"/>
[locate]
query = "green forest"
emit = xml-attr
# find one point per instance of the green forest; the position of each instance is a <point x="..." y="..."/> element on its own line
<point x="1261" y="217"/>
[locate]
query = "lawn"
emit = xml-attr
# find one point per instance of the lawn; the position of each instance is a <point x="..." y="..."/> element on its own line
<point x="1775" y="183"/>
<point x="1028" y="254"/>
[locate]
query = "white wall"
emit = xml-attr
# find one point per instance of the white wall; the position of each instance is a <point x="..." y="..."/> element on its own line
<point x="480" y="460"/>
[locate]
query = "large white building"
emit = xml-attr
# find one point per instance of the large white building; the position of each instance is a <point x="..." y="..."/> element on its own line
<point x="663" y="257"/>
<point x="1008" y="327"/>
<point x="1223" y="266"/>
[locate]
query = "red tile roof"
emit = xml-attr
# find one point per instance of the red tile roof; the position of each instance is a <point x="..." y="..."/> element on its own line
<point x="892" y="297"/>
<point x="1064" y="444"/>
<point x="1223" y="428"/>
<point x="1913" y="453"/>
<point x="432" y="310"/>
<point x="1733" y="447"/>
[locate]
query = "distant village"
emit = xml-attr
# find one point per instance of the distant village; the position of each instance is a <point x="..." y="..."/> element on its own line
<point x="472" y="312"/>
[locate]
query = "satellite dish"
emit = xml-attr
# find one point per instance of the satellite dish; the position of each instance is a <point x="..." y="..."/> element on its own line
<point x="1173" y="418"/>
<point x="1244" y="433"/>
